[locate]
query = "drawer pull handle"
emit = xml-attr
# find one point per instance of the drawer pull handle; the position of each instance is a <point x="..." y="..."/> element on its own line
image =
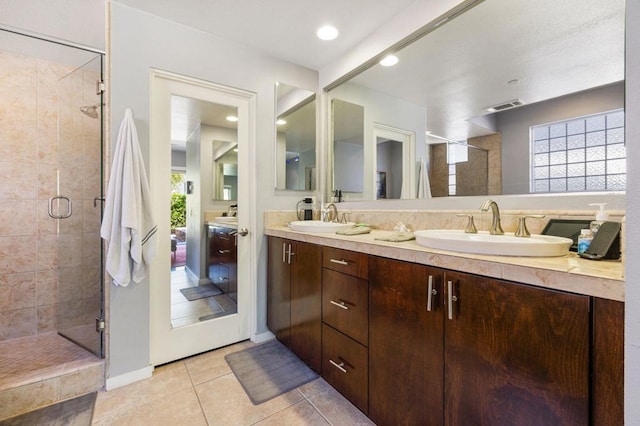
<point x="452" y="298"/>
<point x="222" y="278"/>
<point x="339" y="262"/>
<point x="223" y="251"/>
<point x="338" y="366"/>
<point x="430" y="293"/>
<point x="339" y="304"/>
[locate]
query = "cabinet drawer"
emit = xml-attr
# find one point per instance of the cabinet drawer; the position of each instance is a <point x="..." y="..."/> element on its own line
<point x="345" y="261"/>
<point x="345" y="366"/>
<point x="345" y="304"/>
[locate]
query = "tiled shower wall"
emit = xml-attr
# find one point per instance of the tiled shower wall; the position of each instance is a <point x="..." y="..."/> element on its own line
<point x="47" y="266"/>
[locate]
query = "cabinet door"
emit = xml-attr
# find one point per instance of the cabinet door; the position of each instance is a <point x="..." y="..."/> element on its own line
<point x="278" y="290"/>
<point x="608" y="362"/>
<point x="306" y="303"/>
<point x="405" y="344"/>
<point x="515" y="355"/>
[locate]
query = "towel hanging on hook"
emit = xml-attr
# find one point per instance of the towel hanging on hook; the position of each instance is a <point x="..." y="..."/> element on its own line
<point x="128" y="224"/>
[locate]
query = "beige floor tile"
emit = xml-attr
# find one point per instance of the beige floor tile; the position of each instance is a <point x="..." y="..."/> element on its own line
<point x="312" y="388"/>
<point x="337" y="410"/>
<point x="300" y="414"/>
<point x="182" y="408"/>
<point x="225" y="403"/>
<point x="211" y="365"/>
<point x="167" y="380"/>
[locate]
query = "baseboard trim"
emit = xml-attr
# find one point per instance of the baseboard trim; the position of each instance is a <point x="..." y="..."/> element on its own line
<point x="263" y="337"/>
<point x="128" y="378"/>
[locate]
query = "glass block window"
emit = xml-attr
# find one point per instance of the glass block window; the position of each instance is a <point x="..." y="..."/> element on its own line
<point x="452" y="179"/>
<point x="582" y="154"/>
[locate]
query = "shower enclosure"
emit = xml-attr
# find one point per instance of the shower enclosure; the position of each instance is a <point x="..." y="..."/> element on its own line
<point x="51" y="156"/>
<point x="77" y="206"/>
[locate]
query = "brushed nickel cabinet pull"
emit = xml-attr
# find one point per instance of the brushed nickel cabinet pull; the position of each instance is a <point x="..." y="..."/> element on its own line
<point x="290" y="254"/>
<point x="338" y="366"/>
<point x="339" y="304"/>
<point x="283" y="252"/>
<point x="430" y="293"/>
<point x="452" y="298"/>
<point x="339" y="262"/>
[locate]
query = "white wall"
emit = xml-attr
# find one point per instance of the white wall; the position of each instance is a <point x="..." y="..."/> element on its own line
<point x="632" y="273"/>
<point x="138" y="42"/>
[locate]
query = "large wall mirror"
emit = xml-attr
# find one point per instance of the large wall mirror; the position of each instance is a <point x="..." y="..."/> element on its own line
<point x="295" y="138"/>
<point x="474" y="89"/>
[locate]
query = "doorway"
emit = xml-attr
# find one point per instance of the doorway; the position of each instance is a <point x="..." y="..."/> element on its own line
<point x="200" y="109"/>
<point x="394" y="157"/>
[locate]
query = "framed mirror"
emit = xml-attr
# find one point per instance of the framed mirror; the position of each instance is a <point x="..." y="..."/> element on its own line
<point x="295" y="138"/>
<point x="489" y="78"/>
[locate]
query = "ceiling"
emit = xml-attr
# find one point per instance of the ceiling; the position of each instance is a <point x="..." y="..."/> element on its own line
<point x="283" y="29"/>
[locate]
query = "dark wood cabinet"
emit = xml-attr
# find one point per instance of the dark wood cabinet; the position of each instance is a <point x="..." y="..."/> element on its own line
<point x="279" y="290"/>
<point x="222" y="265"/>
<point x="345" y="366"/>
<point x="481" y="351"/>
<point x="294" y="296"/>
<point x="412" y="344"/>
<point x="608" y="362"/>
<point x="345" y="328"/>
<point x="514" y="354"/>
<point x="405" y="343"/>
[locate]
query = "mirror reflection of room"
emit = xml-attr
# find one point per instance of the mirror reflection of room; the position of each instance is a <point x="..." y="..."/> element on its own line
<point x="548" y="114"/>
<point x="204" y="169"/>
<point x="295" y="138"/>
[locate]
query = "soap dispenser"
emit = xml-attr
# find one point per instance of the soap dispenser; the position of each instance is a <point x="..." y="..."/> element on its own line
<point x="601" y="217"/>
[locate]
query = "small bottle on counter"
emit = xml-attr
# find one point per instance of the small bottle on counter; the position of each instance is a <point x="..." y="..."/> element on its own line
<point x="584" y="240"/>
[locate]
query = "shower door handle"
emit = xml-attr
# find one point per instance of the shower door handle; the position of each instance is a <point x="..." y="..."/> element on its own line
<point x="59" y="216"/>
<point x="96" y="199"/>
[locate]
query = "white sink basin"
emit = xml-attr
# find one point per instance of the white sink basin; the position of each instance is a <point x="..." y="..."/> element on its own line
<point x="319" y="226"/>
<point x="501" y="245"/>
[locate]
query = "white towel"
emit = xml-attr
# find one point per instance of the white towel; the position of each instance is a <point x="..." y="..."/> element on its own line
<point x="127" y="223"/>
<point x="424" y="189"/>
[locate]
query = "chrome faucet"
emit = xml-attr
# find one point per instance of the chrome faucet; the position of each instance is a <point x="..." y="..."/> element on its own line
<point x="330" y="213"/>
<point x="496" y="228"/>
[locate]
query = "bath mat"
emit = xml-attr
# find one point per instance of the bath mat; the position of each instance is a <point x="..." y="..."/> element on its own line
<point x="216" y="309"/>
<point x="73" y="412"/>
<point x="200" y="292"/>
<point x="269" y="370"/>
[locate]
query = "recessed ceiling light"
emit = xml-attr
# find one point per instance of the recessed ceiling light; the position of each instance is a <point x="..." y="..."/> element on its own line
<point x="235" y="149"/>
<point x="232" y="118"/>
<point x="389" y="60"/>
<point x="280" y="121"/>
<point x="327" y="33"/>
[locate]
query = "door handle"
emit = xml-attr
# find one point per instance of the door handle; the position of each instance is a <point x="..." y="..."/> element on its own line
<point x="59" y="216"/>
<point x="243" y="232"/>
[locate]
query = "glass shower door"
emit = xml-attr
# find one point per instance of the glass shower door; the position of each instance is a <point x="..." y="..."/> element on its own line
<point x="78" y="206"/>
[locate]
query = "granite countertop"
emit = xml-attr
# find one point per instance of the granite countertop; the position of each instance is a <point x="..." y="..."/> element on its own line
<point x="223" y="223"/>
<point x="604" y="278"/>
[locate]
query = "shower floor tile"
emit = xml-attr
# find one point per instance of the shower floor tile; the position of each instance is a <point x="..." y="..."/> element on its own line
<point x="37" y="358"/>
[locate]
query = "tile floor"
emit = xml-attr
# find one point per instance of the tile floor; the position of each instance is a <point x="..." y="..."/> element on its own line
<point x="202" y="390"/>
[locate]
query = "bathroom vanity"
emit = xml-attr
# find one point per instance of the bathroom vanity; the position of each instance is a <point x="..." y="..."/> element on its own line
<point x="412" y="335"/>
<point x="222" y="259"/>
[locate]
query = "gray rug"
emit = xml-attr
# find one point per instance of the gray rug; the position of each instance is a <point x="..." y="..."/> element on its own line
<point x="269" y="370"/>
<point x="200" y="292"/>
<point x="73" y="412"/>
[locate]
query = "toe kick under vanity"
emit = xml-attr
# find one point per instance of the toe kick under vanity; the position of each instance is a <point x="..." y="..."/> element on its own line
<point x="412" y="335"/>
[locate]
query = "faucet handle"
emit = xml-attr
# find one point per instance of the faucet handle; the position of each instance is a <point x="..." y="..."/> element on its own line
<point x="522" y="230"/>
<point x="345" y="217"/>
<point x="471" y="226"/>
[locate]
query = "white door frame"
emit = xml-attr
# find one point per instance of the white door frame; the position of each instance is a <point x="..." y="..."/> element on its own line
<point x="168" y="344"/>
<point x="408" y="140"/>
